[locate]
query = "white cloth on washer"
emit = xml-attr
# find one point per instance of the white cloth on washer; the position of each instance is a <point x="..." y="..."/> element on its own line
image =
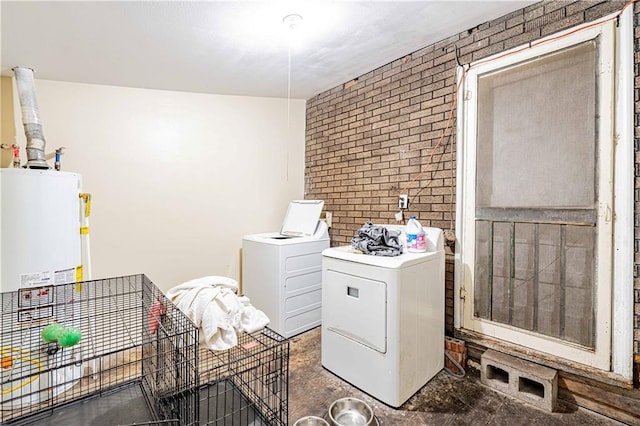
<point x="212" y="304"/>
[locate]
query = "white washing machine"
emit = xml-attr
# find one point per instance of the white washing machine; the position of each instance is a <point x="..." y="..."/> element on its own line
<point x="282" y="271"/>
<point x="383" y="318"/>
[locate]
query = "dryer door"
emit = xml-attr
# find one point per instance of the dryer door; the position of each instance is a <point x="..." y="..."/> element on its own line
<point x="356" y="308"/>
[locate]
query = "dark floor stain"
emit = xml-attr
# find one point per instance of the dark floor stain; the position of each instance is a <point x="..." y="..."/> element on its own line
<point x="444" y="401"/>
<point x="448" y="394"/>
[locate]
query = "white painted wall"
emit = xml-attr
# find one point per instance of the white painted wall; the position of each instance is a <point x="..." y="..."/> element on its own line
<point x="176" y="178"/>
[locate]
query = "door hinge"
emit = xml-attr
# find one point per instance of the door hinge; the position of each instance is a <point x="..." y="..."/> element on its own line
<point x="463" y="293"/>
<point x="467" y="95"/>
<point x="607" y="212"/>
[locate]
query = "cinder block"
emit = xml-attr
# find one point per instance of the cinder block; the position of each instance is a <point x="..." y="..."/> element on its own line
<point x="524" y="380"/>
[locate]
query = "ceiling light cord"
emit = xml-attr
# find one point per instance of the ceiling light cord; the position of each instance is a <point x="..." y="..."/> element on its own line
<point x="289" y="88"/>
<point x="288" y="105"/>
<point x="291" y="22"/>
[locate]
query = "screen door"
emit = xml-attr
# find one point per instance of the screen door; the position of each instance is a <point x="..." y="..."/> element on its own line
<point x="538" y="199"/>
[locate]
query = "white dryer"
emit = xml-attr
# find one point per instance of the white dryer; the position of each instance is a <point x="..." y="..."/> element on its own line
<point x="282" y="271"/>
<point x="383" y="318"/>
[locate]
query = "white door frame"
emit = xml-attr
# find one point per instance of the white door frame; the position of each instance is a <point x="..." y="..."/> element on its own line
<point x="615" y="344"/>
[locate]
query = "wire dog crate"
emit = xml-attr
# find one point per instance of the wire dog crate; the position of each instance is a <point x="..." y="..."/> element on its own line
<point x="247" y="384"/>
<point x="138" y="362"/>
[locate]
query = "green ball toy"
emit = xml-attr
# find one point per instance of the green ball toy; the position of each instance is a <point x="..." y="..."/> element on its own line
<point x="69" y="337"/>
<point x="52" y="332"/>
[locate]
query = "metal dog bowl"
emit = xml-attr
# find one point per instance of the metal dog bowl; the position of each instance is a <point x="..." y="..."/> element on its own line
<point x="350" y="412"/>
<point x="311" y="421"/>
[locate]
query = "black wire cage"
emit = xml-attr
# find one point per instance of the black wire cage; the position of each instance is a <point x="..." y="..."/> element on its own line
<point x="247" y="384"/>
<point x="138" y="361"/>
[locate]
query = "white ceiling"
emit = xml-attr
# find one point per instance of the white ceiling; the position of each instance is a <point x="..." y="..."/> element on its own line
<point x="226" y="47"/>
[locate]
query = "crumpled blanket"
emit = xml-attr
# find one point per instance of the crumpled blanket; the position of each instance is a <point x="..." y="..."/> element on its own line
<point x="212" y="304"/>
<point x="377" y="240"/>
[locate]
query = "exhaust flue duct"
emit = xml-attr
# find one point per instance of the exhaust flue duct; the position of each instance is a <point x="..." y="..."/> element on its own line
<point x="31" y="118"/>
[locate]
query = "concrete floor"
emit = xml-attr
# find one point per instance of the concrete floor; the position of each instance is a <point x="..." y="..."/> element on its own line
<point x="443" y="401"/>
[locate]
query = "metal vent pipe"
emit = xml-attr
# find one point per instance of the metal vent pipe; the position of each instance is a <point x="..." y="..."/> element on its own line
<point x="31" y="118"/>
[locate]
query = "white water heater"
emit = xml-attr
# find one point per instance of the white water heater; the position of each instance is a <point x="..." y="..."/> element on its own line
<point x="40" y="228"/>
<point x="40" y="249"/>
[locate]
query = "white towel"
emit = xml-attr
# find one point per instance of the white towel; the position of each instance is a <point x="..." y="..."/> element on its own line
<point x="212" y="304"/>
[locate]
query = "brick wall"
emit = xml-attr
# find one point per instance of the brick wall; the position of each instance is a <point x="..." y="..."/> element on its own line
<point x="370" y="137"/>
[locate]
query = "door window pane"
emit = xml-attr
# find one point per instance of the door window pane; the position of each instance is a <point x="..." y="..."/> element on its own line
<point x="482" y="293"/>
<point x="580" y="270"/>
<point x="536" y="132"/>
<point x="537" y="277"/>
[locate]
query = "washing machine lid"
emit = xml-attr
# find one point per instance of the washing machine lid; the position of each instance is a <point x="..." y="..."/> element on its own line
<point x="302" y="218"/>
